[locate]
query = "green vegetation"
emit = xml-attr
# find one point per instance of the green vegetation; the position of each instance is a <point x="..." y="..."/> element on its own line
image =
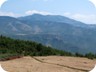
<point x="11" y="47"/>
<point x="18" y="48"/>
<point x="4" y="57"/>
<point x="90" y="56"/>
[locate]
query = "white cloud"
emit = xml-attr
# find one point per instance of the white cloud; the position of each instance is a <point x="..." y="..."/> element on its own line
<point x="89" y="19"/>
<point x="67" y="14"/>
<point x="6" y="14"/>
<point x="9" y="14"/>
<point x="30" y="12"/>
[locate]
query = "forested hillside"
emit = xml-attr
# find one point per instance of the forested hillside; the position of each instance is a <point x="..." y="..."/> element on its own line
<point x="21" y="47"/>
<point x="14" y="47"/>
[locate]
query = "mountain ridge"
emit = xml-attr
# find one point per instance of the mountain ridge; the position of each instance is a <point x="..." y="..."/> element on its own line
<point x="52" y="18"/>
<point x="56" y="31"/>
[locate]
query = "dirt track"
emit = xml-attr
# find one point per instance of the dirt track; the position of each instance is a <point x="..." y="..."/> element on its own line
<point x="49" y="64"/>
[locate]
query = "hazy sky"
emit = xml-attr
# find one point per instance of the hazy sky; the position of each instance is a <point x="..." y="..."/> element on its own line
<point x="81" y="10"/>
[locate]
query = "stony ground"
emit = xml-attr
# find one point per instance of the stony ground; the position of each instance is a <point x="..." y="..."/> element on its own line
<point x="49" y="64"/>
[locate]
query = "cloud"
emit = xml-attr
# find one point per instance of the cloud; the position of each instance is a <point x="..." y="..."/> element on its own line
<point x="30" y="12"/>
<point x="8" y="14"/>
<point x="67" y="14"/>
<point x="85" y="18"/>
<point x="89" y="19"/>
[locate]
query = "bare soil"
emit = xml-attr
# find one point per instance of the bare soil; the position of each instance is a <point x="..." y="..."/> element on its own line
<point x="49" y="64"/>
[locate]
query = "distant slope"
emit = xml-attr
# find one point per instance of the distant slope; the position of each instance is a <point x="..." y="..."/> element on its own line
<point x="10" y="25"/>
<point x="79" y="36"/>
<point x="52" y="30"/>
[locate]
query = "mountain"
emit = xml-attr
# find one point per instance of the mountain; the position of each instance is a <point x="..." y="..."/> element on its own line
<point x="52" y="18"/>
<point x="10" y="25"/>
<point x="52" y="30"/>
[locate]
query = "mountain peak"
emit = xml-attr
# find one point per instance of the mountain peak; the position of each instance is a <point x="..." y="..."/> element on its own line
<point x="52" y="18"/>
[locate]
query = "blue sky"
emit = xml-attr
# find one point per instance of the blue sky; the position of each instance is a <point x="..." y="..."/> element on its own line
<point x="81" y="10"/>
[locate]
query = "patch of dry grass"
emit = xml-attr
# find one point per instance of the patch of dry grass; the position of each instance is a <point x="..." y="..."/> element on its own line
<point x="48" y="64"/>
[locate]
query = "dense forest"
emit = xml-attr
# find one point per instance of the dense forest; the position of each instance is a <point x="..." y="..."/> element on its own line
<point x="14" y="47"/>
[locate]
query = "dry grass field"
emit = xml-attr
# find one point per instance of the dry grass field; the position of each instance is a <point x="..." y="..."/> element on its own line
<point x="49" y="64"/>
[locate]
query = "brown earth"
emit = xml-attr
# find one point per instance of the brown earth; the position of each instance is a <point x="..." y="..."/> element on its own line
<point x="49" y="64"/>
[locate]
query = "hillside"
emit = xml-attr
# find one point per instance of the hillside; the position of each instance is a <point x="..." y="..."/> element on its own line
<point x="9" y="47"/>
<point x="49" y="64"/>
<point x="51" y="30"/>
<point x="12" y="26"/>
